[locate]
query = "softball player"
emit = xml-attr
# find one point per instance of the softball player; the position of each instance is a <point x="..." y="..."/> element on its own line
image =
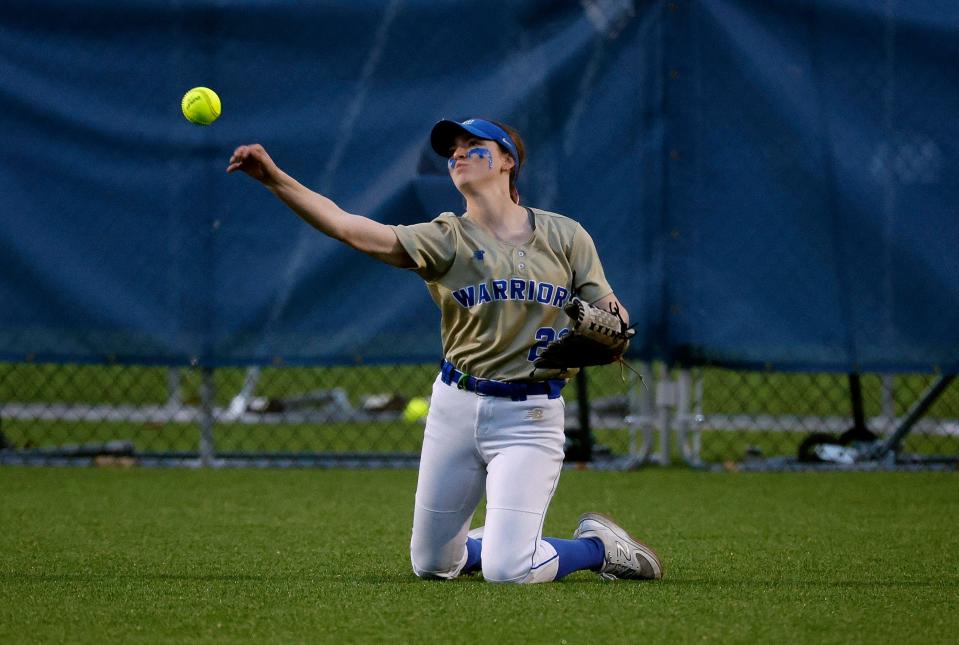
<point x="500" y="274"/>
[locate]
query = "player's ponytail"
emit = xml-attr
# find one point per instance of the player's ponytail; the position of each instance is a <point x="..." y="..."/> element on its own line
<point x="521" y="149"/>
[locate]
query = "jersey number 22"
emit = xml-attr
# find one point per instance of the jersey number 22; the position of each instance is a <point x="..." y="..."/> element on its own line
<point x="544" y="336"/>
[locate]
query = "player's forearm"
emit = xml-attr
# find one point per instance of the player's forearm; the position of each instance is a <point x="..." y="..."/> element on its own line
<point x="361" y="233"/>
<point x="316" y="210"/>
<point x="610" y="303"/>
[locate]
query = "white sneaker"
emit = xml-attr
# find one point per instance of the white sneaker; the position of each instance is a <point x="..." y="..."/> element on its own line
<point x="477" y="533"/>
<point x="624" y="556"/>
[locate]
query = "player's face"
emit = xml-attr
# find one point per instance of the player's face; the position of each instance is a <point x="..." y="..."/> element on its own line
<point x="474" y="162"/>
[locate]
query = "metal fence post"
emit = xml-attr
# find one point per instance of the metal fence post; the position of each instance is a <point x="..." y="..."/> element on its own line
<point x="888" y="397"/>
<point x="685" y="418"/>
<point x="207" y="401"/>
<point x="665" y="399"/>
<point x="645" y="405"/>
<point x="640" y="417"/>
<point x="174" y="388"/>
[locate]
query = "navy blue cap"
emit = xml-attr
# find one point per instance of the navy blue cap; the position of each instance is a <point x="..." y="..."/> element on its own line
<point x="444" y="134"/>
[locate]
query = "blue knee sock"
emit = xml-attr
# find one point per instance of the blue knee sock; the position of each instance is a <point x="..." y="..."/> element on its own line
<point x="474" y="549"/>
<point x="577" y="555"/>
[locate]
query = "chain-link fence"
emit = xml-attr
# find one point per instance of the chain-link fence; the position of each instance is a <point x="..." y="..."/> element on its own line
<point x="770" y="420"/>
<point x="372" y="415"/>
<point x="357" y="415"/>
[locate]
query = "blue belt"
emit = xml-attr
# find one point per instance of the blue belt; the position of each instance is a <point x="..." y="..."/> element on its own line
<point x="516" y="391"/>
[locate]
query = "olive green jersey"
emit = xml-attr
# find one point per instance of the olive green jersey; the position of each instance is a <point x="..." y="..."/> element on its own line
<point x="501" y="304"/>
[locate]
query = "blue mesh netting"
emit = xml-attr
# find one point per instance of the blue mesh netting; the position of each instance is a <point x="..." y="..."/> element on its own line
<point x="767" y="183"/>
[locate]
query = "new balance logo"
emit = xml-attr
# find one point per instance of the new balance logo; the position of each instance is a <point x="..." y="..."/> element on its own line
<point x="622" y="551"/>
<point x="534" y="414"/>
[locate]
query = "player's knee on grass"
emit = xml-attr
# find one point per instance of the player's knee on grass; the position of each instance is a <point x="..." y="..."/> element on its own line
<point x="432" y="575"/>
<point x="520" y="566"/>
<point x="434" y="566"/>
<point x="506" y="567"/>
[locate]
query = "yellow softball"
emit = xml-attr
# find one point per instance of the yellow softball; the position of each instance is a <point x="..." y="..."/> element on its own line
<point x="416" y="409"/>
<point x="201" y="105"/>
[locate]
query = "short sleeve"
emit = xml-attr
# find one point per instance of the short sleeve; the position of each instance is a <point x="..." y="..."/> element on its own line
<point x="589" y="280"/>
<point x="431" y="245"/>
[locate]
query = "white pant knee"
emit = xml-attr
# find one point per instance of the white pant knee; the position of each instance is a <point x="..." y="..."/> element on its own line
<point x="427" y="574"/>
<point x="434" y="566"/>
<point x="505" y="568"/>
<point x="514" y="566"/>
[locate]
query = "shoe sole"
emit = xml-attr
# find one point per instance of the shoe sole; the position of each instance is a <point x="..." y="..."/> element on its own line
<point x="622" y="534"/>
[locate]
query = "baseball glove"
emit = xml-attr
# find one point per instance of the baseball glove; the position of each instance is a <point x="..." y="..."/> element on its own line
<point x="596" y="337"/>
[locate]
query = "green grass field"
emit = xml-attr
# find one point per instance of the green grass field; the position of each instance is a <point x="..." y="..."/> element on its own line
<point x="92" y="555"/>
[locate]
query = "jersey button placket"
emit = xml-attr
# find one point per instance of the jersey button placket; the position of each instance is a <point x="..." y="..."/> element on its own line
<point x="522" y="265"/>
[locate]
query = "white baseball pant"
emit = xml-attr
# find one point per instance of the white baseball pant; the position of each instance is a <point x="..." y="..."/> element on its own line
<point x="511" y="449"/>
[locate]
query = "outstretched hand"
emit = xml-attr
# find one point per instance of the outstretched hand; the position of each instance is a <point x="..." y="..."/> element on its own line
<point x="254" y="161"/>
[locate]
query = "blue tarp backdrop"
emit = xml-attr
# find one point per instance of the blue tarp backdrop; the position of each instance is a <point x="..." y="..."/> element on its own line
<point x="768" y="183"/>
